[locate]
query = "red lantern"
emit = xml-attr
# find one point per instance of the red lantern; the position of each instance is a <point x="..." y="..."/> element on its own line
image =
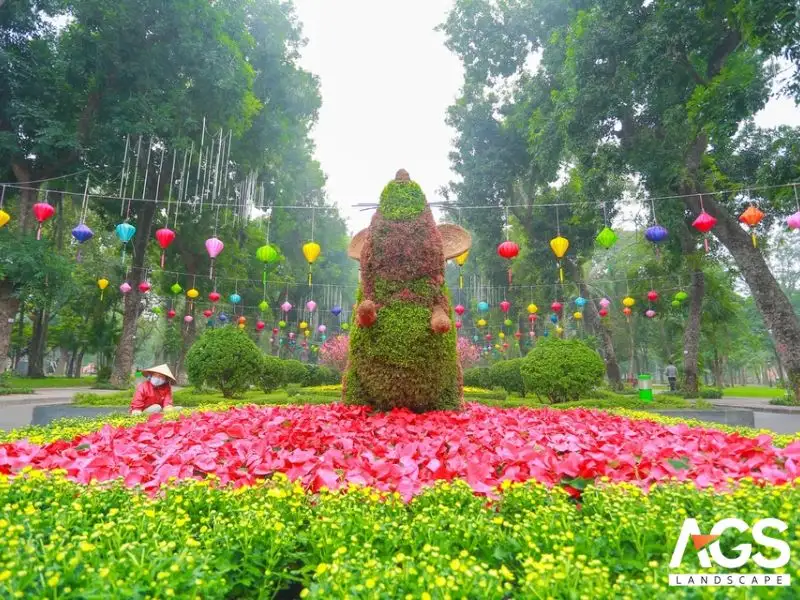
<point x="556" y="306"/>
<point x="171" y="314"/>
<point x="603" y="312"/>
<point x="652" y="295"/>
<point x="518" y="334"/>
<point x="459" y="324"/>
<point x="627" y="311"/>
<point x="242" y="320"/>
<point x="260" y="325"/>
<point x="505" y="345"/>
<point x="488" y="337"/>
<point x="214" y="297"/>
<point x="207" y="313"/>
<point x="505" y="305"/>
<point x="165" y="237"/>
<point x="532" y="318"/>
<point x="704" y="223"/>
<point x="508" y="250"/>
<point x="274" y="331"/>
<point x="144" y="287"/>
<point x="42" y="211"/>
<point x="459" y="309"/>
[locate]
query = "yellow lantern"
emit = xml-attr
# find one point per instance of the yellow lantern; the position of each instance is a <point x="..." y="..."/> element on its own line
<point x="628" y="301"/>
<point x="303" y="325"/>
<point x="501" y="335"/>
<point x="532" y="308"/>
<point x="4" y="218"/>
<point x="497" y="346"/>
<point x="307" y="332"/>
<point x="559" y="245"/>
<point x="102" y="283"/>
<point x="578" y="316"/>
<point x="311" y="251"/>
<point x="460" y="260"/>
<point x="559" y="330"/>
<point x="481" y="322"/>
<point x="241" y="326"/>
<point x="192" y="294"/>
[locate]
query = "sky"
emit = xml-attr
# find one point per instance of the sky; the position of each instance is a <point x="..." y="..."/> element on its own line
<point x="386" y="82"/>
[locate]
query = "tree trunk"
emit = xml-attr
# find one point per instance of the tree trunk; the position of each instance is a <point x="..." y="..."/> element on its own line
<point x="772" y="302"/>
<point x="38" y="344"/>
<point x="63" y="361"/>
<point x="691" y="335"/>
<point x="8" y="310"/>
<point x="77" y="364"/>
<point x="718" y="370"/>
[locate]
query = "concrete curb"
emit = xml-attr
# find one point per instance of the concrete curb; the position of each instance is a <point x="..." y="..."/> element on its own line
<point x="770" y="408"/>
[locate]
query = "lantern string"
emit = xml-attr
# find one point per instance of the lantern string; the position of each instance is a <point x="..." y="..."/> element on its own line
<point x="85" y="203"/>
<point x="796" y="198"/>
<point x="605" y="214"/>
<point x="123" y="174"/>
<point x="2" y="196"/>
<point x="653" y="206"/>
<point x="158" y="180"/>
<point x="171" y="183"/>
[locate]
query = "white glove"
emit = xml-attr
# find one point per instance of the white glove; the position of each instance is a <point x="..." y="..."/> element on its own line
<point x="152" y="409"/>
<point x="136" y="412"/>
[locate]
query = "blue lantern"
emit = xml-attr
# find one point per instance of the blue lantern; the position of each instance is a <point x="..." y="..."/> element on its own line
<point x="483" y="306"/>
<point x="223" y="318"/>
<point x="656" y="234"/>
<point x="554" y="318"/>
<point x="125" y="232"/>
<point x="475" y="338"/>
<point x="234" y="298"/>
<point x="546" y="333"/>
<point x="82" y="233"/>
<point x="323" y="337"/>
<point x="336" y="310"/>
<point x="580" y="301"/>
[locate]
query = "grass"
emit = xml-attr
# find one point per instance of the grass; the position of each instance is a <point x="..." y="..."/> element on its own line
<point x="50" y="382"/>
<point x="755" y="391"/>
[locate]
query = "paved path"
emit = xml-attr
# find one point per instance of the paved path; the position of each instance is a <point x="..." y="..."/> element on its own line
<point x="780" y="419"/>
<point x="16" y="410"/>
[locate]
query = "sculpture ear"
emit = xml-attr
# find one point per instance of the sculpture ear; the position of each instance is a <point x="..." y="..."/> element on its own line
<point x="356" y="244"/>
<point x="455" y="240"/>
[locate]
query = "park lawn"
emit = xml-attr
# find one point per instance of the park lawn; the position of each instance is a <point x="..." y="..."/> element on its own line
<point x="754" y="391"/>
<point x="51" y="382"/>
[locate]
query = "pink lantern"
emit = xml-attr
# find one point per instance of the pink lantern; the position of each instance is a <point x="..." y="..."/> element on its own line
<point x="556" y="306"/>
<point x="125" y="288"/>
<point x="532" y="318"/>
<point x="286" y="307"/>
<point x="213" y="246"/>
<point x="459" y="310"/>
<point x="531" y="334"/>
<point x="274" y="331"/>
<point x="188" y="318"/>
<point x="322" y="329"/>
<point x="605" y="303"/>
<point x="458" y="324"/>
<point x="311" y="306"/>
<point x="650" y="313"/>
<point x="291" y="335"/>
<point x="794" y="221"/>
<point x="505" y="305"/>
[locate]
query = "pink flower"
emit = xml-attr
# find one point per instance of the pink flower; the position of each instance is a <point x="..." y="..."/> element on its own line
<point x="468" y="353"/>
<point x="333" y="353"/>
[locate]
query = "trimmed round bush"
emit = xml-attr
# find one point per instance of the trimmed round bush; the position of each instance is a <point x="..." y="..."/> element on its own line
<point x="321" y="375"/>
<point x="295" y="372"/>
<point x="225" y="359"/>
<point x="272" y="373"/>
<point x="506" y="374"/>
<point x="478" y="377"/>
<point x="561" y="370"/>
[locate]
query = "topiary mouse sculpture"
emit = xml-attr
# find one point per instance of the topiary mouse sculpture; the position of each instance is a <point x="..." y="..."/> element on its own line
<point x="403" y="344"/>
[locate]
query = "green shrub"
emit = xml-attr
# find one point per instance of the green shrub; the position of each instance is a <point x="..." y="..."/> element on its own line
<point x="477" y="377"/>
<point x="225" y="359"/>
<point x="273" y="373"/>
<point x="711" y="392"/>
<point x="321" y="375"/>
<point x="295" y="372"/>
<point x="562" y="370"/>
<point x="293" y="389"/>
<point x="506" y="374"/>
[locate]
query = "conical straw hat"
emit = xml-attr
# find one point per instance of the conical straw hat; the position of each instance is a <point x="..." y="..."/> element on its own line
<point x="161" y="370"/>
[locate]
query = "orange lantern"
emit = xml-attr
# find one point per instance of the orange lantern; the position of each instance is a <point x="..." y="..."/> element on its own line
<point x="752" y="217"/>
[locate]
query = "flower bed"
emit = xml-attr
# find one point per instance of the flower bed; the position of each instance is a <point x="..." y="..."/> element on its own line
<point x="334" y="445"/>
<point x="62" y="540"/>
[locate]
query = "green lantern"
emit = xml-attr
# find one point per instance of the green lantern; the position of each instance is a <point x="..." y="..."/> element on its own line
<point x="266" y="254"/>
<point x="606" y="238"/>
<point x="157" y="310"/>
<point x="281" y="324"/>
<point x="676" y="304"/>
<point x="345" y="326"/>
<point x="263" y="306"/>
<point x="176" y="288"/>
<point x="681" y="296"/>
<point x="508" y="322"/>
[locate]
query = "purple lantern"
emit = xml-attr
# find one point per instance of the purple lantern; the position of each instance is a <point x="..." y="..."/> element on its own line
<point x="322" y="329"/>
<point x="650" y="313"/>
<point x="656" y="234"/>
<point x="311" y="306"/>
<point x="336" y="310"/>
<point x="82" y="233"/>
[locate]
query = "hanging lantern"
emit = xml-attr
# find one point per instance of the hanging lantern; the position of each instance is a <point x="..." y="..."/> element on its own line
<point x="532" y="334"/>
<point x="508" y="322"/>
<point x="518" y="334"/>
<point x="234" y="298"/>
<point x="501" y="335"/>
<point x="156" y="310"/>
<point x="681" y="296"/>
<point x="307" y="332"/>
<point x="291" y="335"/>
<point x="532" y="308"/>
<point x="207" y="313"/>
<point x="603" y="312"/>
<point x="311" y="306"/>
<point x="488" y="337"/>
<point x="676" y="304"/>
<point x="213" y="246"/>
<point x="559" y="245"/>
<point x="605" y="302"/>
<point x="263" y="306"/>
<point x="171" y="314"/>
<point x="704" y="223"/>
<point x="628" y="301"/>
<point x="458" y="324"/>
<point x="577" y="315"/>
<point x="532" y="318"/>
<point x="82" y="234"/>
<point x="580" y="301"/>
<point x="460" y="260"/>
<point x="627" y="311"/>
<point x="336" y="310"/>
<point x="223" y="318"/>
<point x="125" y="288"/>
<point x="322" y="329"/>
<point x="144" y="287"/>
<point x="459" y="309"/>
<point x="42" y="211"/>
<point x="311" y="251"/>
<point x="508" y="250"/>
<point x="192" y="294"/>
<point x="505" y="306"/>
<point x="556" y="306"/>
<point x="554" y="318"/>
<point x="483" y="306"/>
<point x="656" y="234"/>
<point x="102" y="283"/>
<point x="282" y="324"/>
<point x="125" y="233"/>
<point x="303" y="325"/>
<point x="286" y="307"/>
<point x="559" y="330"/>
<point x="214" y="297"/>
<point x="481" y="323"/>
<point x="606" y="238"/>
<point x="188" y="319"/>
<point x="275" y="331"/>
<point x="242" y="320"/>
<point x="752" y="217"/>
<point x="260" y="325"/>
<point x="793" y="221"/>
<point x="345" y="326"/>
<point x="650" y="313"/>
<point x="4" y="218"/>
<point x="165" y="237"/>
<point x="652" y="296"/>
<point x="266" y="254"/>
<point x="176" y="288"/>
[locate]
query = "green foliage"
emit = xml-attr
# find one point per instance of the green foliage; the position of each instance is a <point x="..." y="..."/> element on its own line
<point x="293" y="389"/>
<point x="272" y="373"/>
<point x="562" y="370"/>
<point x="320" y="375"/>
<point x="295" y="372"/>
<point x="506" y="374"/>
<point x="477" y="377"/>
<point x="224" y="359"/>
<point x="402" y="200"/>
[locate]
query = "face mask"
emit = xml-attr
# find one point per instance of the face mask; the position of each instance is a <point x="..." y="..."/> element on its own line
<point x="157" y="381"/>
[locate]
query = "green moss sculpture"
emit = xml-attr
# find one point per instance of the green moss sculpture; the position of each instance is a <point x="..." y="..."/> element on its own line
<point x="403" y="343"/>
